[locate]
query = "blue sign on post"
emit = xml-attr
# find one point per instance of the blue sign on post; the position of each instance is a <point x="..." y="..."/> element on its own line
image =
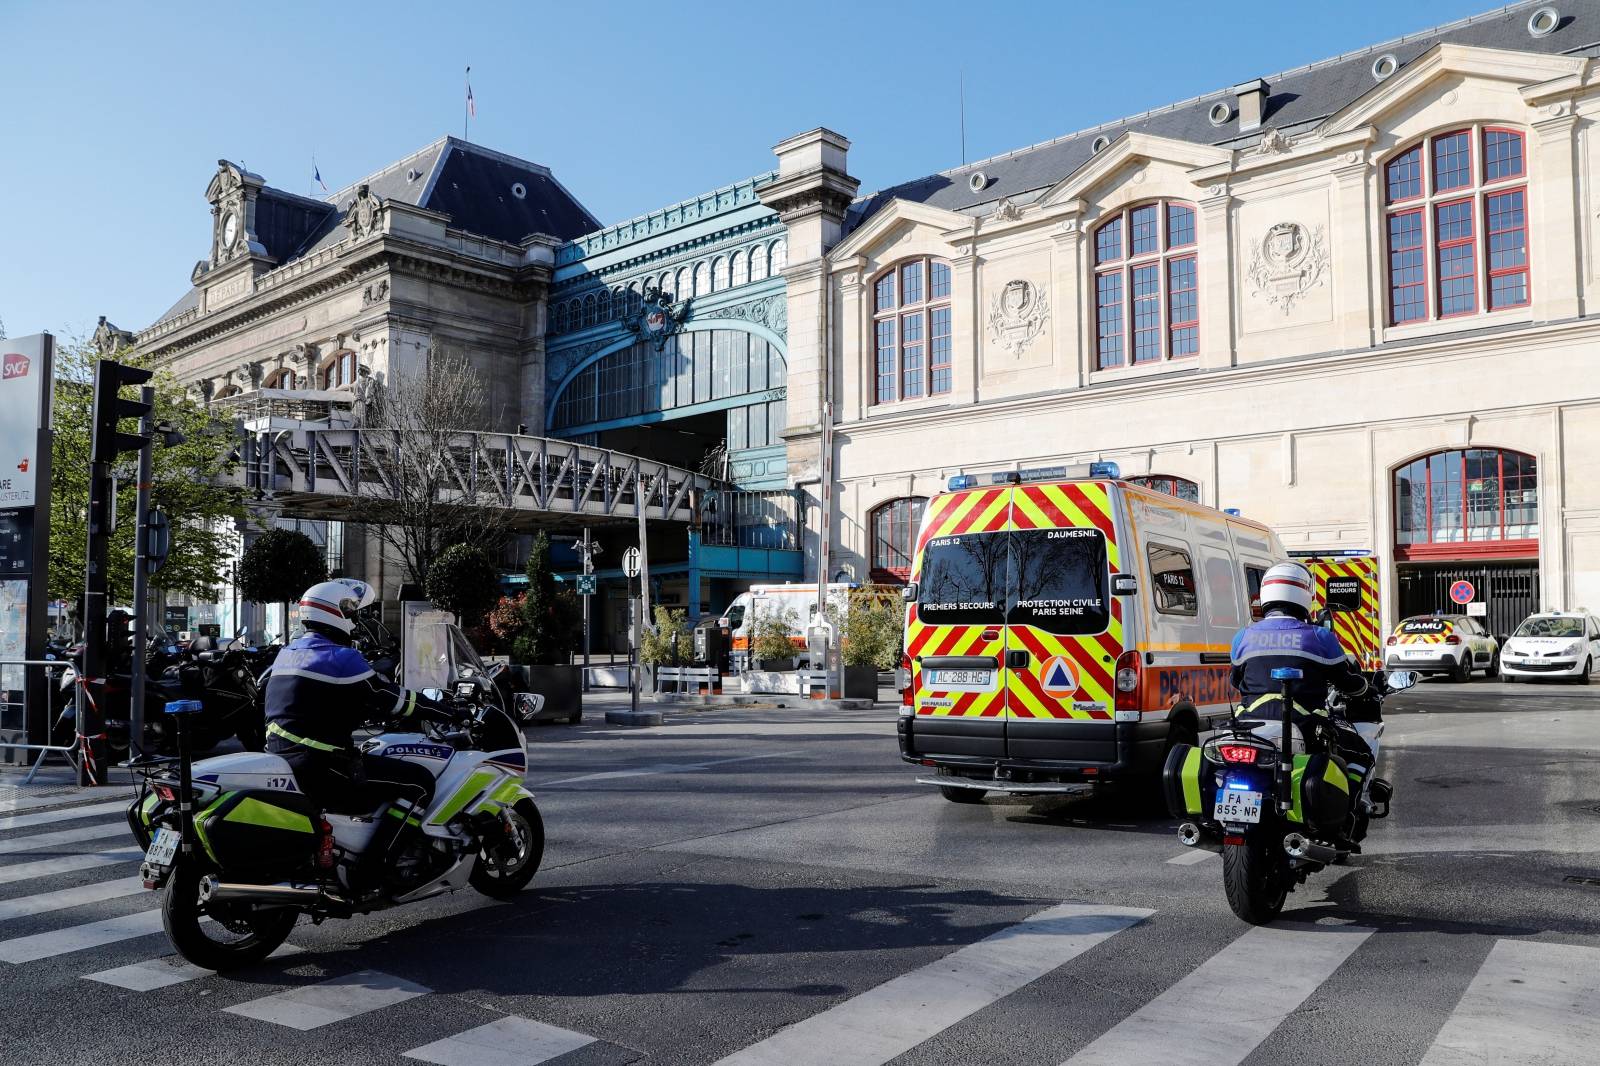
<point x="587" y="584"/>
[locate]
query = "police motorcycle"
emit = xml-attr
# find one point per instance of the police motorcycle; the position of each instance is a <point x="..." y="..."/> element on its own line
<point x="1276" y="799"/>
<point x="239" y="852"/>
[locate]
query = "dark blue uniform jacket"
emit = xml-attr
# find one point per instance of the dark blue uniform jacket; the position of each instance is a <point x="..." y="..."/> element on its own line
<point x="320" y="691"/>
<point x="1281" y="640"/>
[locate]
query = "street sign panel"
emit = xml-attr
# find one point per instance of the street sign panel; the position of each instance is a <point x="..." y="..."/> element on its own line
<point x="156" y="548"/>
<point x="1463" y="592"/>
<point x="587" y="584"/>
<point x="1478" y="609"/>
<point x="630" y="562"/>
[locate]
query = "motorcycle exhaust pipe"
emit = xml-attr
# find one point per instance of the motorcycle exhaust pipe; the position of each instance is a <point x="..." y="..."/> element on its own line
<point x="222" y="891"/>
<point x="1299" y="846"/>
<point x="1192" y="836"/>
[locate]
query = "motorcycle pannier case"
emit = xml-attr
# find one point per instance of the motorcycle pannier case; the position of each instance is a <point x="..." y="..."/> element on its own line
<point x="1323" y="789"/>
<point x="1189" y="782"/>
<point x="249" y="833"/>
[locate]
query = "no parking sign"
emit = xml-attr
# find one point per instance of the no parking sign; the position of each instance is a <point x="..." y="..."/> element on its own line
<point x="1463" y="592"/>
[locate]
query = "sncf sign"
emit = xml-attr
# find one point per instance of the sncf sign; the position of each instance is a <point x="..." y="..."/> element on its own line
<point x="16" y="366"/>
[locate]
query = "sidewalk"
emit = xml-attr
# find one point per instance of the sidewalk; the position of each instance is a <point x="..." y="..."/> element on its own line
<point x="54" y="785"/>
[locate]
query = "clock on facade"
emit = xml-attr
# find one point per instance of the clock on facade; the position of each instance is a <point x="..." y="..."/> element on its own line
<point x="230" y="229"/>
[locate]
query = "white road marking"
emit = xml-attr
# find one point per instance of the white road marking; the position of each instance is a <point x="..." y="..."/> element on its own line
<point x="80" y="937"/>
<point x="1202" y="1021"/>
<point x="160" y="973"/>
<point x="1562" y="838"/>
<point x="25" y="871"/>
<point x="71" y="814"/>
<point x="1528" y="1002"/>
<point x="664" y="768"/>
<point x="901" y="1013"/>
<point x="511" y="1041"/>
<point x="41" y="841"/>
<point x="1192" y="857"/>
<point x="331" y="1001"/>
<point x="44" y="902"/>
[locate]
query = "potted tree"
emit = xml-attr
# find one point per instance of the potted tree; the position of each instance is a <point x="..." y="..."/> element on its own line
<point x="771" y="644"/>
<point x="872" y="630"/>
<point x="277" y="567"/>
<point x="551" y="629"/>
<point x="464" y="582"/>
<point x="670" y="642"/>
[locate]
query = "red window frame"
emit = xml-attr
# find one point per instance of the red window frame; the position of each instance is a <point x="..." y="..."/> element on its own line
<point x="1124" y="264"/>
<point x="889" y="333"/>
<point x="900" y="519"/>
<point x="1500" y="547"/>
<point x="1429" y="200"/>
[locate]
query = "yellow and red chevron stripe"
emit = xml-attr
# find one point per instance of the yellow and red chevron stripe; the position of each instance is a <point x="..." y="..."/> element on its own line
<point x="1359" y="631"/>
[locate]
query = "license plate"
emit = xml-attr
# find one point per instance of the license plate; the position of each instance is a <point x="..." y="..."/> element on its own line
<point x="949" y="679"/>
<point x="162" y="848"/>
<point x="1420" y="653"/>
<point x="1235" y="806"/>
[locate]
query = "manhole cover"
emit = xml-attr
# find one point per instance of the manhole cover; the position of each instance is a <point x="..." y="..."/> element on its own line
<point x="1586" y="882"/>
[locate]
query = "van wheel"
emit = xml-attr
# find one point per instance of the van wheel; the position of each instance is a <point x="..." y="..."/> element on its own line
<point x="1463" y="669"/>
<point x="957" y="794"/>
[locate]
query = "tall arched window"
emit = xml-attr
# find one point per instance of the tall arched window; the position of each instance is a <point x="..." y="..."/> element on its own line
<point x="740" y="271"/>
<point x="603" y="308"/>
<point x="702" y="279"/>
<point x="336" y="370"/>
<point x="1146" y="292"/>
<point x="589" y="310"/>
<point x="683" y="285"/>
<point x="758" y="263"/>
<point x="1456" y="220"/>
<point x="1181" y="487"/>
<point x="911" y="350"/>
<point x="558" y="317"/>
<point x="894" y="534"/>
<point x="1474" y="501"/>
<point x="281" y="378"/>
<point x="779" y="256"/>
<point x="719" y="274"/>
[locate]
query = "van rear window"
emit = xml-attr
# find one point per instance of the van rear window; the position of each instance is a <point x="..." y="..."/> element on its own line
<point x="1050" y="579"/>
<point x="963" y="580"/>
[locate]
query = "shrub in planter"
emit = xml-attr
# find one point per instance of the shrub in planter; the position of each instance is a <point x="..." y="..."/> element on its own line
<point x="550" y="631"/>
<point x="670" y="642"/>
<point x="277" y="567"/>
<point x="770" y="645"/>
<point x="872" y="629"/>
<point x="464" y="582"/>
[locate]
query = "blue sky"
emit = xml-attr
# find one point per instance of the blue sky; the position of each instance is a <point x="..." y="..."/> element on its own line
<point x="112" y="116"/>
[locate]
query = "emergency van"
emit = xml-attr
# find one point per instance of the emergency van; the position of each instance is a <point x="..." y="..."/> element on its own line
<point x="1346" y="585"/>
<point x="1064" y="626"/>
<point x="797" y="604"/>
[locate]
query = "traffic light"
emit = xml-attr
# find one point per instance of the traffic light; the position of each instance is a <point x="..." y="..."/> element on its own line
<point x="110" y="409"/>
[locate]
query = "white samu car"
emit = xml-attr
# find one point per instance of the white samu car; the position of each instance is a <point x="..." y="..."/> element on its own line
<point x="1554" y="644"/>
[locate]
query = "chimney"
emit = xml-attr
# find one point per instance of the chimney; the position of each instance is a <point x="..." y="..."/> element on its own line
<point x="1252" y="103"/>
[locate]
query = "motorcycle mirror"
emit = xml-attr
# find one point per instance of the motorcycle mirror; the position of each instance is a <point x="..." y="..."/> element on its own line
<point x="1400" y="680"/>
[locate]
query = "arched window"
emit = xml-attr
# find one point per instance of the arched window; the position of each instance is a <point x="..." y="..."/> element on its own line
<point x="740" y="270"/>
<point x="779" y="256"/>
<point x="758" y="263"/>
<point x="1146" y="296"/>
<point x="575" y="315"/>
<point x="719" y="274"/>
<point x="894" y="534"/>
<point x="589" y="310"/>
<point x="702" y="279"/>
<point x="336" y="370"/>
<point x="666" y="283"/>
<point x="1474" y="501"/>
<point x="1456" y="222"/>
<point x="558" y="322"/>
<point x="911" y="352"/>
<point x="603" y="305"/>
<point x="1181" y="487"/>
<point x="683" y="286"/>
<point x="281" y="378"/>
<point x="226" y="391"/>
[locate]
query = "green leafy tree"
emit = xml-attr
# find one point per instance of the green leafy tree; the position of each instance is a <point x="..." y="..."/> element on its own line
<point x="770" y="634"/>
<point x="462" y="580"/>
<point x="552" y="618"/>
<point x="873" y="629"/>
<point x="190" y="484"/>
<point x="278" y="566"/>
<point x="671" y="642"/>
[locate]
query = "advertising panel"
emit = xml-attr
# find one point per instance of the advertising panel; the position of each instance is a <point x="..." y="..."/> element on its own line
<point x="23" y="369"/>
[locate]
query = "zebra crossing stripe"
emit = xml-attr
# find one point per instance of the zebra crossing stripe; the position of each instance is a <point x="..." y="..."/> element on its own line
<point x="1198" y="1021"/>
<point x="511" y="1041"/>
<point x="1191" y="857"/>
<point x="70" y="814"/>
<point x="27" y="871"/>
<point x="44" y="902"/>
<point x="901" y="1013"/>
<point x="41" y="841"/>
<point x="163" y="972"/>
<point x="331" y="1001"/>
<point x="1528" y="1002"/>
<point x="80" y="937"/>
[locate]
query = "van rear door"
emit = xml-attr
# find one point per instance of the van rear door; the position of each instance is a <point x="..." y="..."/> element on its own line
<point x="1063" y="625"/>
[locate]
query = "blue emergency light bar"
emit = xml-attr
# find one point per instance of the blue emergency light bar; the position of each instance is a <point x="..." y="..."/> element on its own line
<point x="1038" y="473"/>
<point x="184" y="707"/>
<point x="1287" y="673"/>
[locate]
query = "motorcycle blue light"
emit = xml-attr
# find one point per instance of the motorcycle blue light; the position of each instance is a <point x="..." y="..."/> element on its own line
<point x="184" y="706"/>
<point x="1287" y="673"/>
<point x="1239" y="786"/>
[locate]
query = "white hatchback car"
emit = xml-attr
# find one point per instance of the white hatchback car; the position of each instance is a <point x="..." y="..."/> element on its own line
<point x="1554" y="644"/>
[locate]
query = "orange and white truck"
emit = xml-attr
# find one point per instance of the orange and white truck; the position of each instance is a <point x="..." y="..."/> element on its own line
<point x="1065" y="626"/>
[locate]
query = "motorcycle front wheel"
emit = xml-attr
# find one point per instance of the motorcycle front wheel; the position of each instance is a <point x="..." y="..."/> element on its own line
<point x="238" y="934"/>
<point x="507" y="864"/>
<point x="1254" y="881"/>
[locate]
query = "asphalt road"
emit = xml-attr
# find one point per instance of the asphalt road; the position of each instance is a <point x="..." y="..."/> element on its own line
<point x="770" y="886"/>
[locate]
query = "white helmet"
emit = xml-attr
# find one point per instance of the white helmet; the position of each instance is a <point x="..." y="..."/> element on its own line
<point x="1288" y="584"/>
<point x="364" y="593"/>
<point x="333" y="604"/>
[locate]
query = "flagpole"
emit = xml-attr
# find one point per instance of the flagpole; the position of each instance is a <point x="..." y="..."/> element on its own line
<point x="466" y="105"/>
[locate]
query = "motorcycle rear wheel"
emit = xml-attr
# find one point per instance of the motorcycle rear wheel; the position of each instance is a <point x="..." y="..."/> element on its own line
<point x="1253" y="882"/>
<point x="237" y="935"/>
<point x="505" y="866"/>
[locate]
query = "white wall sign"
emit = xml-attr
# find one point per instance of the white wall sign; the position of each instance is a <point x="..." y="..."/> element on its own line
<point x="22" y="398"/>
<point x="1478" y="609"/>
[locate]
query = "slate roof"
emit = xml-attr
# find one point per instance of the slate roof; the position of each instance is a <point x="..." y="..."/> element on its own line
<point x="1297" y="99"/>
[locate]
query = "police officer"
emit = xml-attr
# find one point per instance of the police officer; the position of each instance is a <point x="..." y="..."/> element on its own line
<point x="1285" y="637"/>
<point x="320" y="691"/>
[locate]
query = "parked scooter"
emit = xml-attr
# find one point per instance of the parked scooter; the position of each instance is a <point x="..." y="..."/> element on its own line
<point x="1276" y="799"/>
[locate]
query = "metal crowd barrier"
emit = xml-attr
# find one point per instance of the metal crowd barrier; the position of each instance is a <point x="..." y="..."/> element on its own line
<point x="45" y="749"/>
<point x="706" y="680"/>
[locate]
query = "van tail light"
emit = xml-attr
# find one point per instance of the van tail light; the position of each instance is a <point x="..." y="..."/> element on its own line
<point x="1241" y="753"/>
<point x="1127" y="681"/>
<point x="907" y="693"/>
<point x="1452" y="639"/>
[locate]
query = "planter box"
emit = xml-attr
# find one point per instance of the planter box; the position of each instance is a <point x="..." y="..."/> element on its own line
<point x="561" y="687"/>
<point x="772" y="681"/>
<point x="860" y="682"/>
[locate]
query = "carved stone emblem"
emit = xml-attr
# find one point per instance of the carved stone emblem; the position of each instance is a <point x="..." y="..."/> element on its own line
<point x="375" y="293"/>
<point x="1006" y="211"/>
<point x="1272" y="143"/>
<point x="659" y="318"/>
<point x="1288" y="262"/>
<point x="769" y="311"/>
<point x="1018" y="315"/>
<point x="364" y="215"/>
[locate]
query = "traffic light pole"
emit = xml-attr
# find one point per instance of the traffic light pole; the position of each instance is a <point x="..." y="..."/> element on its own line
<point x="141" y="580"/>
<point x="588" y="568"/>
